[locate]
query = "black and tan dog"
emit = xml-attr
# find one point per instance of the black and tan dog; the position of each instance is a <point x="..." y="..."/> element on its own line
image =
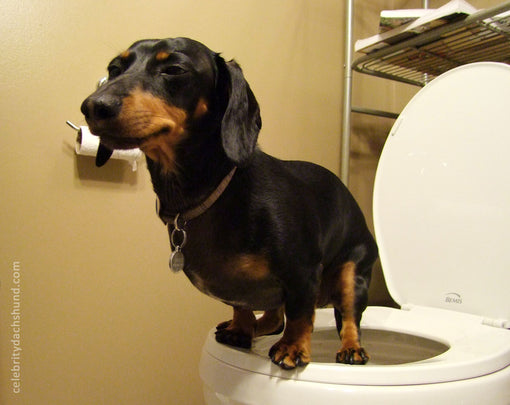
<point x="253" y="231"/>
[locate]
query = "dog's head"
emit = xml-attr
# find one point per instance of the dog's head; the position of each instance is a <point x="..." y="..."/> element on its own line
<point x="162" y="95"/>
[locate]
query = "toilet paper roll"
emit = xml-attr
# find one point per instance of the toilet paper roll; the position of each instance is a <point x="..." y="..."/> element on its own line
<point x="87" y="144"/>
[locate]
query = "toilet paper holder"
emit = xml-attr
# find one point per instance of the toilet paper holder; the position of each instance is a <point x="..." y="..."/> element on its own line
<point x="77" y="129"/>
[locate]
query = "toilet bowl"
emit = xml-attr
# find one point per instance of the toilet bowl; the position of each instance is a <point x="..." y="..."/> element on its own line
<point x="442" y="220"/>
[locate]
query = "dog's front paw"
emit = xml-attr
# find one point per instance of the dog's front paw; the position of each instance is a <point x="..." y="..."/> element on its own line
<point x="351" y="355"/>
<point x="289" y="355"/>
<point x="232" y="336"/>
<point x="223" y="325"/>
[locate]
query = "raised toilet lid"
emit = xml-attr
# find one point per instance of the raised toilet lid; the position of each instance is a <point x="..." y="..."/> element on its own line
<point x="442" y="195"/>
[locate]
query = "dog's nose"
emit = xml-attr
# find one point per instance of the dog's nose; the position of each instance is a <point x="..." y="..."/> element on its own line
<point x="101" y="107"/>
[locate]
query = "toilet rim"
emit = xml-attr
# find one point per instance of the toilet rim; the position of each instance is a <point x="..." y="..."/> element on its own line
<point x="457" y="363"/>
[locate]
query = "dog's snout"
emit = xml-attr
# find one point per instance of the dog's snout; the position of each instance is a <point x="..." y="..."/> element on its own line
<point x="102" y="107"/>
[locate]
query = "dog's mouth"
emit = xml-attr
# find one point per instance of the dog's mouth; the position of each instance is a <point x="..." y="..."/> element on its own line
<point x="117" y="142"/>
<point x="107" y="143"/>
<point x="158" y="144"/>
<point x="113" y="141"/>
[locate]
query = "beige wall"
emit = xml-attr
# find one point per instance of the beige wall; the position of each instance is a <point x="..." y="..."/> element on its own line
<point x="103" y="321"/>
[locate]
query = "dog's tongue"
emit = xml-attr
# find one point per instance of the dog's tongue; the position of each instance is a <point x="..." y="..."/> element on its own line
<point x="103" y="154"/>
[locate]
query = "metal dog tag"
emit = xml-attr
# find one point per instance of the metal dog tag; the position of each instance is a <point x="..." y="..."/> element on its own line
<point x="177" y="260"/>
<point x="177" y="240"/>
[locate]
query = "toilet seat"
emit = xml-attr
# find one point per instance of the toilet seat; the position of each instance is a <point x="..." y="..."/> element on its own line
<point x="474" y="350"/>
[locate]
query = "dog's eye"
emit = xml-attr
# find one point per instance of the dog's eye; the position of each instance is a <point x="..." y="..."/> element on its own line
<point x="173" y="70"/>
<point x="113" y="72"/>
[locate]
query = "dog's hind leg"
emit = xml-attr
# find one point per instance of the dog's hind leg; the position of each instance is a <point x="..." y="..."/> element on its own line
<point x="240" y="330"/>
<point x="350" y="300"/>
<point x="271" y="323"/>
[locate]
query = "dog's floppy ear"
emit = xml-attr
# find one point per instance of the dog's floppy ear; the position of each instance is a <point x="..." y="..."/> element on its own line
<point x="103" y="154"/>
<point x="241" y="121"/>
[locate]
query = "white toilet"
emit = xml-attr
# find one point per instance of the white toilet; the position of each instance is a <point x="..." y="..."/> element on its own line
<point x="442" y="222"/>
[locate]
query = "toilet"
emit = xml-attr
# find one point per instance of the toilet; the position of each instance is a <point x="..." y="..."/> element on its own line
<point x="442" y="223"/>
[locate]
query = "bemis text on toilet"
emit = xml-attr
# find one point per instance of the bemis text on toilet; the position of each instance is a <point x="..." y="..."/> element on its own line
<point x="16" y="328"/>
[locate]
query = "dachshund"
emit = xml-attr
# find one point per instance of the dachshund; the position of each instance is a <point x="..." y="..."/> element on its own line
<point x="256" y="232"/>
